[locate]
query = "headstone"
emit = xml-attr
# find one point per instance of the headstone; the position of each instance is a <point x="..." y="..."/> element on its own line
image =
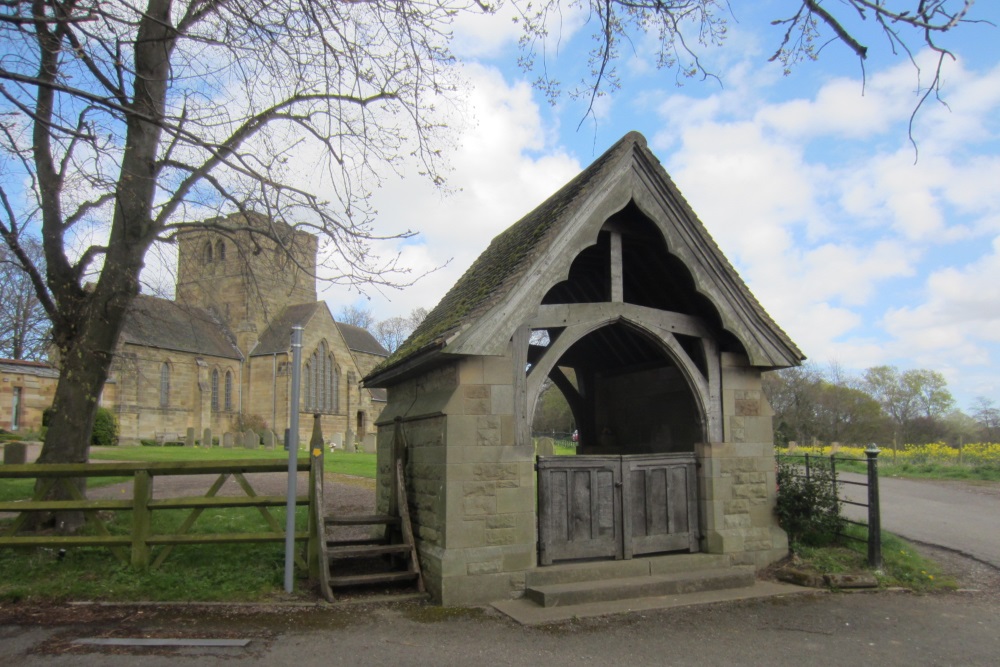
<point x="370" y="443"/>
<point x="228" y="439"/>
<point x="250" y="440"/>
<point x="544" y="446"/>
<point x="206" y="438"/>
<point x="189" y="438"/>
<point x="15" y="453"/>
<point x="268" y="439"/>
<point x="338" y="441"/>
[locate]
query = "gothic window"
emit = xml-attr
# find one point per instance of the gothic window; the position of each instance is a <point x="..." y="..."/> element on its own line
<point x="220" y="251"/>
<point x="322" y="379"/>
<point x="307" y="401"/>
<point x="215" y="390"/>
<point x="165" y="385"/>
<point x="208" y="252"/>
<point x="229" y="391"/>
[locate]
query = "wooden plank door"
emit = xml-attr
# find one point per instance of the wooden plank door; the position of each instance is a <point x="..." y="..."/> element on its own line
<point x="660" y="504"/>
<point x="579" y="508"/>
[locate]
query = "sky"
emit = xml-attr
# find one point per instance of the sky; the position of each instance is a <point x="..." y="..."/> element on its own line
<point x="864" y="249"/>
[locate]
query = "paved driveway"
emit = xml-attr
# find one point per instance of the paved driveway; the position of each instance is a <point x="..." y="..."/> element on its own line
<point x="962" y="516"/>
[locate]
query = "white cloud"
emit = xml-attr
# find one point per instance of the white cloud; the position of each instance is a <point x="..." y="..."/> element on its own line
<point x="504" y="165"/>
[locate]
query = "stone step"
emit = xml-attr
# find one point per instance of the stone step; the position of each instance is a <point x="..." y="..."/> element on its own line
<point x="567" y="573"/>
<point x="608" y="590"/>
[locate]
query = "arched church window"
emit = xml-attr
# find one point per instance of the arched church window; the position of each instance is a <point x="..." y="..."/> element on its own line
<point x="215" y="390"/>
<point x="307" y="399"/>
<point x="331" y="403"/>
<point x="208" y="252"/>
<point x="165" y="385"/>
<point x="229" y="391"/>
<point x="336" y="389"/>
<point x="220" y="251"/>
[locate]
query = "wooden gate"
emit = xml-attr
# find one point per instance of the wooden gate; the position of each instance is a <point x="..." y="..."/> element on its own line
<point x="615" y="507"/>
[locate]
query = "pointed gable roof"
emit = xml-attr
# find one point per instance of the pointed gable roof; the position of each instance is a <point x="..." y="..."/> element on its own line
<point x="277" y="338"/>
<point x="504" y="286"/>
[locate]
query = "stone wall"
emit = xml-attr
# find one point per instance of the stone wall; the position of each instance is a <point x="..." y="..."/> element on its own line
<point x="737" y="477"/>
<point x="37" y="389"/>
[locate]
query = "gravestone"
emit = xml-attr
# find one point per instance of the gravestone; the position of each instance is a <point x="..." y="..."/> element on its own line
<point x="228" y="439"/>
<point x="189" y="438"/>
<point x="268" y="439"/>
<point x="15" y="453"/>
<point x="544" y="446"/>
<point x="250" y="440"/>
<point x="338" y="441"/>
<point x="369" y="443"/>
<point x="206" y="438"/>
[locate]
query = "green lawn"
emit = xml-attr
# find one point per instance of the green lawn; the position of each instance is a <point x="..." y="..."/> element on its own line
<point x="357" y="464"/>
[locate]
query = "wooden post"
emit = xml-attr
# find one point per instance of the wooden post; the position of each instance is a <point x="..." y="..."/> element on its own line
<point x="142" y="520"/>
<point x="315" y="499"/>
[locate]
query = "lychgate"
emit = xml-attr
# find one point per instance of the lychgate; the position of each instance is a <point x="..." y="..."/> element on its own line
<point x="614" y="291"/>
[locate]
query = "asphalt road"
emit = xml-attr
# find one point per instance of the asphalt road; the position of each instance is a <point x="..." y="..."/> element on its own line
<point x="961" y="516"/>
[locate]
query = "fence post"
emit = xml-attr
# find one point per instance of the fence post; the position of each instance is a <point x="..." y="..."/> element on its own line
<point x="142" y="521"/>
<point x="874" y="514"/>
<point x="833" y="484"/>
<point x="807" y="468"/>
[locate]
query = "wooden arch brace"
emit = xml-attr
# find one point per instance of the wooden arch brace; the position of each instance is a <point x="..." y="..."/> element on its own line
<point x="580" y="319"/>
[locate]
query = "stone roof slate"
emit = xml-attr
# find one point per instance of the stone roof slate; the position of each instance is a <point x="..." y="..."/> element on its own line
<point x="165" y="324"/>
<point x="277" y="337"/>
<point x="359" y="339"/>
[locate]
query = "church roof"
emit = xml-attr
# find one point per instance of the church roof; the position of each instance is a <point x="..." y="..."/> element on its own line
<point x="165" y="324"/>
<point x="473" y="317"/>
<point x="277" y="337"/>
<point x="359" y="339"/>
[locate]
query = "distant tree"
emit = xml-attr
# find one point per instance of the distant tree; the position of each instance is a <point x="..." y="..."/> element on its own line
<point x="848" y="415"/>
<point x="393" y="332"/>
<point x="986" y="414"/>
<point x="960" y="427"/>
<point x="24" y="324"/>
<point x="793" y="394"/>
<point x="359" y="316"/>
<point x="553" y="413"/>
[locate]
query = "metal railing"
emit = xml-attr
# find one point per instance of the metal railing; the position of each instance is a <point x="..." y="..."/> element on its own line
<point x="874" y="523"/>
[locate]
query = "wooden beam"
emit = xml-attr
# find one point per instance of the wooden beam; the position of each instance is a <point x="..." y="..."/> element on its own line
<point x="617" y="290"/>
<point x="567" y="314"/>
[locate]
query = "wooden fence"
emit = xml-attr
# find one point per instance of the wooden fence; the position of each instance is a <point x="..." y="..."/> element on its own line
<point x="136" y="548"/>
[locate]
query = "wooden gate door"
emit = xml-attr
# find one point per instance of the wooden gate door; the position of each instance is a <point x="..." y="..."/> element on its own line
<point x="614" y="507"/>
<point x="661" y="504"/>
<point x="579" y="508"/>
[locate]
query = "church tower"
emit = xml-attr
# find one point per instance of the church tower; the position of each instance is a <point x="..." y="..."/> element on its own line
<point x="246" y="270"/>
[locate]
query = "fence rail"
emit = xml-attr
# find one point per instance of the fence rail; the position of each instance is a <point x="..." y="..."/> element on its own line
<point x="874" y="523"/>
<point x="136" y="548"/>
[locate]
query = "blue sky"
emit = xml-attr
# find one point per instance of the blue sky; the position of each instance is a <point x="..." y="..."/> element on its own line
<point x="808" y="182"/>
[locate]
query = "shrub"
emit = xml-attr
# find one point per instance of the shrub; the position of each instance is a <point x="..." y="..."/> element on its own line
<point x="808" y="509"/>
<point x="105" y="432"/>
<point x="149" y="443"/>
<point x="243" y="423"/>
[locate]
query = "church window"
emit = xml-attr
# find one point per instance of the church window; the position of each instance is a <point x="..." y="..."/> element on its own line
<point x="321" y="383"/>
<point x="229" y="391"/>
<point x="208" y="252"/>
<point x="220" y="251"/>
<point x="165" y="385"/>
<point x="215" y="390"/>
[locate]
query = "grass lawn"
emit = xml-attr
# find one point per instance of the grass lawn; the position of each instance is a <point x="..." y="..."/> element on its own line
<point x="358" y="464"/>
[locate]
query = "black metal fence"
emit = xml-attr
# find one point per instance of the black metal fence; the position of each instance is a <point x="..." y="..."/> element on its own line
<point x="874" y="523"/>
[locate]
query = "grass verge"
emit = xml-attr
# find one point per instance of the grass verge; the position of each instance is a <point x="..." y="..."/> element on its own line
<point x="902" y="564"/>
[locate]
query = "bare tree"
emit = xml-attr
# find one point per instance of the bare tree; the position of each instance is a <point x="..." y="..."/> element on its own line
<point x="358" y="316"/>
<point x="684" y="28"/>
<point x="121" y="122"/>
<point x="24" y="325"/>
<point x="394" y="331"/>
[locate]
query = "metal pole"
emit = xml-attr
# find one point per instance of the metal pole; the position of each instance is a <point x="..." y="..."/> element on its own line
<point x="874" y="515"/>
<point x="293" y="458"/>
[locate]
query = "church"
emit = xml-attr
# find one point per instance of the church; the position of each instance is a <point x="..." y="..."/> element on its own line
<point x="218" y="356"/>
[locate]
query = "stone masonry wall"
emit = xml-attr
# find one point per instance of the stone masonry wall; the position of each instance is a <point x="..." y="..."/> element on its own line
<point x="737" y="476"/>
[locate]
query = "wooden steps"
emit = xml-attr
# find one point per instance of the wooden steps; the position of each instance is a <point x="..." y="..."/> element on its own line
<point x="390" y="559"/>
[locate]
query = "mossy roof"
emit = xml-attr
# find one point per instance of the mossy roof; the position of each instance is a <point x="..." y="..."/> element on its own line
<point x="512" y="253"/>
<point x="168" y="325"/>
